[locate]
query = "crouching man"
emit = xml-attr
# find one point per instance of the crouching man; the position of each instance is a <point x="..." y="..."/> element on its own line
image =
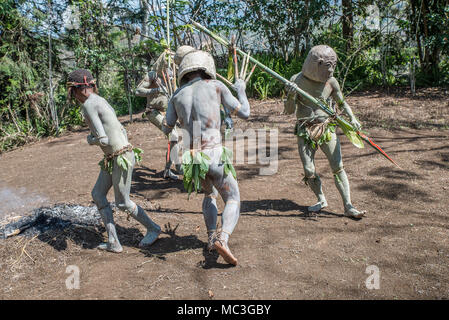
<point x="206" y="163"/>
<point x="152" y="87"/>
<point x="119" y="158"/>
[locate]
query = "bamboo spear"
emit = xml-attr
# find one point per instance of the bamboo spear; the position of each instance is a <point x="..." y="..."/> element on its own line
<point x="346" y="126"/>
<point x="250" y="74"/>
<point x="246" y="65"/>
<point x="168" y="30"/>
<point x="236" y="67"/>
<point x="229" y="83"/>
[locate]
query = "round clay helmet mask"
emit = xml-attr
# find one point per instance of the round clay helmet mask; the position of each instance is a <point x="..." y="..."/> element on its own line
<point x="195" y="61"/>
<point x="320" y="63"/>
<point x="181" y="52"/>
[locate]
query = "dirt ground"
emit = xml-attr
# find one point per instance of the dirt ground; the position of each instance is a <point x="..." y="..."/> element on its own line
<point x="283" y="253"/>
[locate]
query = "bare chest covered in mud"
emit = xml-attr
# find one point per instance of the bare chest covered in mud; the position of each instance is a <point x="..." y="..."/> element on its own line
<point x="319" y="90"/>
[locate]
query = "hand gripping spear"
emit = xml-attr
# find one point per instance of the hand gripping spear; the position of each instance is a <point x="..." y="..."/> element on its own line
<point x="342" y="123"/>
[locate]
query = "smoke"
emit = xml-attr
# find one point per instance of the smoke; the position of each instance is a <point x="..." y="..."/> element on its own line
<point x="58" y="217"/>
<point x="18" y="201"/>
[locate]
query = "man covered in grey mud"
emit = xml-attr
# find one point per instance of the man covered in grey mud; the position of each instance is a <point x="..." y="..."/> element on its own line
<point x="117" y="165"/>
<point x="153" y="87"/>
<point x="207" y="164"/>
<point x="314" y="128"/>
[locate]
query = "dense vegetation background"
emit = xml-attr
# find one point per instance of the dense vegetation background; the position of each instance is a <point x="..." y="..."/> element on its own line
<point x="382" y="43"/>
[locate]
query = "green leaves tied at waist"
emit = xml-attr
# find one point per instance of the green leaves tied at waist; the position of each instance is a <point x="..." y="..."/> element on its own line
<point x="308" y="133"/>
<point x="107" y="163"/>
<point x="316" y="140"/>
<point x="226" y="159"/>
<point x="195" y="166"/>
<point x="137" y="154"/>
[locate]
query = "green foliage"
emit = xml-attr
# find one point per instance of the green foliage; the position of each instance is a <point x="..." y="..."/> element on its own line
<point x="226" y="159"/>
<point x="301" y="131"/>
<point x="195" y="167"/>
<point x="122" y="162"/>
<point x="262" y="85"/>
<point x="96" y="45"/>
<point x="119" y="39"/>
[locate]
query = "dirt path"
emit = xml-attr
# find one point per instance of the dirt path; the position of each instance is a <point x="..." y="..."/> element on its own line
<point x="283" y="254"/>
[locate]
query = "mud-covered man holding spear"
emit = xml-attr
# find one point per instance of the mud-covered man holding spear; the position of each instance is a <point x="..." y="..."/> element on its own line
<point x="308" y="92"/>
<point x="315" y="128"/>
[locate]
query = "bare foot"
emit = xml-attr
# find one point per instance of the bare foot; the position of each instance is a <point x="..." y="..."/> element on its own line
<point x="111" y="247"/>
<point x="223" y="250"/>
<point x="150" y="237"/>
<point x="318" y="206"/>
<point x="353" y="213"/>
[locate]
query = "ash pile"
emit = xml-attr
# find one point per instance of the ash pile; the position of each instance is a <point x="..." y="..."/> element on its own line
<point x="58" y="217"/>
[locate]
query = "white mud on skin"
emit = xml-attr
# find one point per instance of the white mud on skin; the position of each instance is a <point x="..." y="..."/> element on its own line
<point x="18" y="202"/>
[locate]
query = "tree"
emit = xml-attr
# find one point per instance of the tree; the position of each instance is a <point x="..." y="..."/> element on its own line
<point x="430" y="28"/>
<point x="347" y="22"/>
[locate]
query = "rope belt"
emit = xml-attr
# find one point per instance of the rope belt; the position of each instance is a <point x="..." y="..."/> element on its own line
<point x="195" y="150"/>
<point x="339" y="170"/>
<point x="121" y="151"/>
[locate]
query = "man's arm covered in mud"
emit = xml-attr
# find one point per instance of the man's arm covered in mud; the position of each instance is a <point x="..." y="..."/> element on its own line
<point x="337" y="95"/>
<point x="240" y="106"/>
<point x="98" y="136"/>
<point x="143" y="89"/>
<point x="290" y="102"/>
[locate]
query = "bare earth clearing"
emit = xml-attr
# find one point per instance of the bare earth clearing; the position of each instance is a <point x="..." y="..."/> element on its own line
<point x="283" y="253"/>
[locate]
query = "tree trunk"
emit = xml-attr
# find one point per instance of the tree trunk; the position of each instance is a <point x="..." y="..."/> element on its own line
<point x="347" y="21"/>
<point x="54" y="114"/>
<point x="145" y="14"/>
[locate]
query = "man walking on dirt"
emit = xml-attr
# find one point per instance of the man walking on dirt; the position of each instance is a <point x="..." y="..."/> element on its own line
<point x="206" y="163"/>
<point x="314" y="128"/>
<point x="119" y="158"/>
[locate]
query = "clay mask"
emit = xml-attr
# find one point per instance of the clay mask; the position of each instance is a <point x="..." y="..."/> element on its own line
<point x="320" y="63"/>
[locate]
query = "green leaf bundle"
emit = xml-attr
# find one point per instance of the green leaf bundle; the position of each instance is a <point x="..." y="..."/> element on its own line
<point x="195" y="167"/>
<point x="226" y="159"/>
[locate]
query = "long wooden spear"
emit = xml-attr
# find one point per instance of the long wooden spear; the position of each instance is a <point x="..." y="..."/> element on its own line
<point x="168" y="36"/>
<point x="342" y="123"/>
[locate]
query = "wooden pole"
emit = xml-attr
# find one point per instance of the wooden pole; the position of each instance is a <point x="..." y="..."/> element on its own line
<point x="54" y="115"/>
<point x="229" y="83"/>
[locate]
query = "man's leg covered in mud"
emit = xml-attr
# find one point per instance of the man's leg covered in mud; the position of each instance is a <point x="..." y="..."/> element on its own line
<point x="332" y="150"/>
<point x="121" y="180"/>
<point x="228" y="189"/>
<point x="99" y="192"/>
<point x="307" y="154"/>
<point x="210" y="211"/>
<point x="157" y="118"/>
<point x="172" y="155"/>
